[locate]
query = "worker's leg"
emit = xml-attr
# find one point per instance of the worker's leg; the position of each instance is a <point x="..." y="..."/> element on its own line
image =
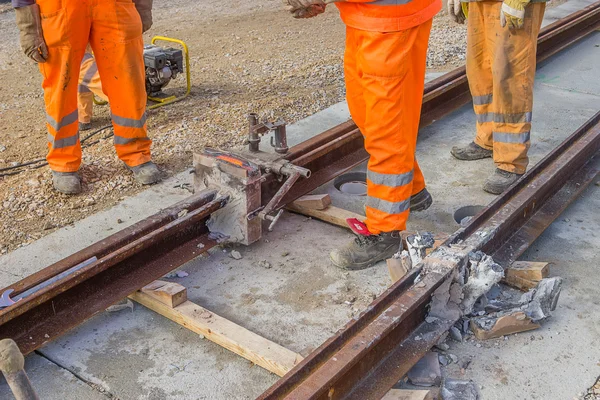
<point x="357" y="104"/>
<point x="66" y="30"/>
<point x="479" y="69"/>
<point x="85" y="97"/>
<point x="116" y="39"/>
<point x="514" y="72"/>
<point x="479" y="74"/>
<point x="393" y="75"/>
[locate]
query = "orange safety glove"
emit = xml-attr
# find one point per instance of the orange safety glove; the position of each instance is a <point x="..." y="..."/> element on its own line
<point x="456" y="11"/>
<point x="144" y="8"/>
<point x="32" y="38"/>
<point x="513" y="13"/>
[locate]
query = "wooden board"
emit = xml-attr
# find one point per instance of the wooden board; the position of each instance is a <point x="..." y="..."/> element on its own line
<point x="534" y="271"/>
<point x="520" y="283"/>
<point x="331" y="214"/>
<point x="255" y="348"/>
<point x="314" y="201"/>
<point x="404" y="394"/>
<point x="505" y="325"/>
<point x="169" y="293"/>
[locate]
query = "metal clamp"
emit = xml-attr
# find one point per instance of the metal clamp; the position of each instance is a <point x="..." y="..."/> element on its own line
<point x="256" y="129"/>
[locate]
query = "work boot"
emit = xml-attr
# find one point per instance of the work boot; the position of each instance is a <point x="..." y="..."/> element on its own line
<point x="66" y="182"/>
<point x="499" y="181"/>
<point x="146" y="174"/>
<point x="365" y="251"/>
<point x="420" y="201"/>
<point x="85" y="126"/>
<point x="470" y="152"/>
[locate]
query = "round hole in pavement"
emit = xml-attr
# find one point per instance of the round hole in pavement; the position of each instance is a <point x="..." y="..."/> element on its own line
<point x="463" y="215"/>
<point x="352" y="183"/>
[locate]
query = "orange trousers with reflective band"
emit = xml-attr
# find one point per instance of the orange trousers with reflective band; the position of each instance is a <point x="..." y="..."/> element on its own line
<point x="89" y="86"/>
<point x="501" y="69"/>
<point x="114" y="31"/>
<point x="385" y="75"/>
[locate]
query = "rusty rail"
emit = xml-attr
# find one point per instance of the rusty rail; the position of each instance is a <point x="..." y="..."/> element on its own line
<point x="127" y="261"/>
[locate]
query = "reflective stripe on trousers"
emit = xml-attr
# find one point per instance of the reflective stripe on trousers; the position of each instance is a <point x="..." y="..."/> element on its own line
<point x="385" y="75"/>
<point x="501" y="70"/>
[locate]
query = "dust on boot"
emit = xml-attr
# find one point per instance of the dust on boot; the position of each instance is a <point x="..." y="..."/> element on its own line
<point x="66" y="182"/>
<point x="366" y="249"/>
<point x="147" y="173"/>
<point x="500" y="180"/>
<point x="470" y="152"/>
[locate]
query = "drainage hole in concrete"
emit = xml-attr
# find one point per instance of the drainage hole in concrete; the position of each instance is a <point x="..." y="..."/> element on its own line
<point x="352" y="183"/>
<point x="463" y="215"/>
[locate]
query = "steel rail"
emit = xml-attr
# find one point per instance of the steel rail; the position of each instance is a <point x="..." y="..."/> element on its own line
<point x="126" y="262"/>
<point x="341" y="148"/>
<point x="368" y="356"/>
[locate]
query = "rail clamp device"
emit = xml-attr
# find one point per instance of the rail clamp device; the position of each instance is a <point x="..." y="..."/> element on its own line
<point x="239" y="173"/>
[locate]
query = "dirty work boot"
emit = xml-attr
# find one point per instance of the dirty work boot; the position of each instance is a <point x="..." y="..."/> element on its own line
<point x="420" y="201"/>
<point x="66" y="182"/>
<point x="499" y="181"/>
<point x="146" y="174"/>
<point x="85" y="126"/>
<point x="470" y="152"/>
<point x="365" y="251"/>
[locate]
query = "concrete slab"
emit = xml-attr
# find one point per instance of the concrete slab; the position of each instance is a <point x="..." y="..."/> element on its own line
<point x="52" y="382"/>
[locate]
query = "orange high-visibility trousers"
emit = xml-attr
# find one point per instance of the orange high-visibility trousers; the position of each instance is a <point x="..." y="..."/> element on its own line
<point x="114" y="30"/>
<point x="385" y="75"/>
<point x="501" y="70"/>
<point x="89" y="86"/>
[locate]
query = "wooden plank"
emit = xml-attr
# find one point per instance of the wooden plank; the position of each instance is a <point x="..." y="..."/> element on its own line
<point x="169" y="293"/>
<point x="519" y="283"/>
<point x="314" y="201"/>
<point x="505" y="325"/>
<point x="225" y="333"/>
<point x="404" y="394"/>
<point x="331" y="214"/>
<point x="534" y="271"/>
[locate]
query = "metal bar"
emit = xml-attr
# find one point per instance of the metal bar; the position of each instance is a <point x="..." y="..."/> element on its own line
<point x="65" y="304"/>
<point x="111" y="243"/>
<point x="367" y="357"/>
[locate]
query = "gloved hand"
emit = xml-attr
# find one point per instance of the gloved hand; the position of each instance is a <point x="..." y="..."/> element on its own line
<point x="309" y="12"/>
<point x="307" y="8"/>
<point x="32" y="38"/>
<point x="456" y="11"/>
<point x="144" y="8"/>
<point x="513" y="13"/>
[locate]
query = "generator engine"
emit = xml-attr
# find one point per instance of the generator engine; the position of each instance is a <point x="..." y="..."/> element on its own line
<point x="162" y="65"/>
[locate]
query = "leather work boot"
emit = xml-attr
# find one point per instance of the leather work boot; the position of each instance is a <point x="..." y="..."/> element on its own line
<point x="470" y="152"/>
<point x="66" y="182"/>
<point x="365" y="251"/>
<point x="147" y="173"/>
<point x="85" y="126"/>
<point x="420" y="201"/>
<point x="499" y="181"/>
